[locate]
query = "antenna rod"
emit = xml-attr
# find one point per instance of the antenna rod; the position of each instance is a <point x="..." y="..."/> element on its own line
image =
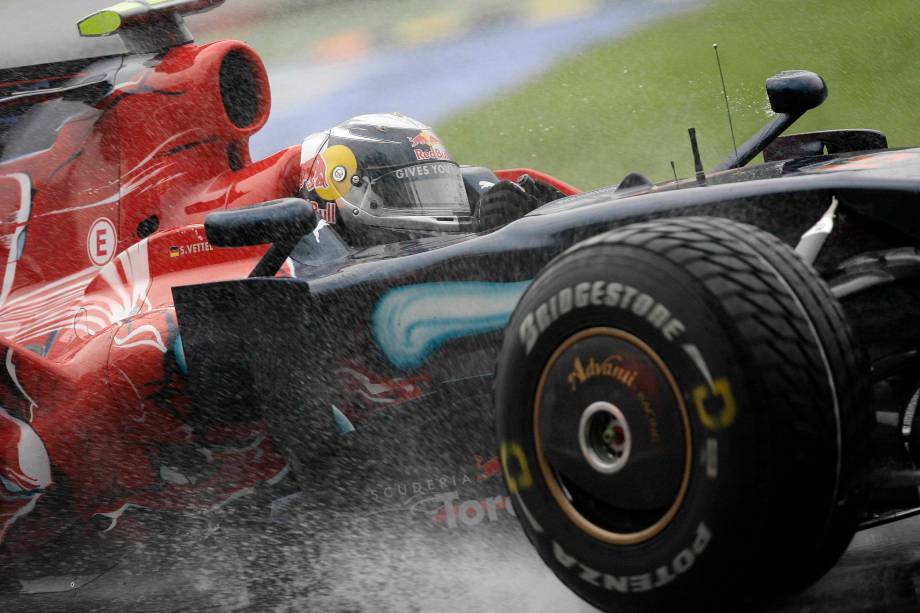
<point x="674" y="170"/>
<point x="697" y="160"/>
<point x="728" y="110"/>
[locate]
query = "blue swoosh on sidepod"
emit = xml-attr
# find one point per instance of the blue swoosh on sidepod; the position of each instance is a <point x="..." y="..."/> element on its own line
<point x="411" y="322"/>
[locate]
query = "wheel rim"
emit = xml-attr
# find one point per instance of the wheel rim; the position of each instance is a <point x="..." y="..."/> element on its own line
<point x="612" y="436"/>
<point x="604" y="437"/>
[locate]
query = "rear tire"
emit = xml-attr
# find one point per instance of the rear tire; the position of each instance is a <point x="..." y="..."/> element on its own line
<point x="501" y="204"/>
<point x="681" y="412"/>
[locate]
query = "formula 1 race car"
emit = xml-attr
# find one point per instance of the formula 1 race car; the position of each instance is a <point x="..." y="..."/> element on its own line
<point x="701" y="389"/>
<point x="108" y="167"/>
<point x="685" y="378"/>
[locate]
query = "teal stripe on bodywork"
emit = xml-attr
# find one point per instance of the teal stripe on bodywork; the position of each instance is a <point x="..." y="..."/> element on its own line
<point x="410" y="323"/>
<point x="179" y="352"/>
<point x="343" y="424"/>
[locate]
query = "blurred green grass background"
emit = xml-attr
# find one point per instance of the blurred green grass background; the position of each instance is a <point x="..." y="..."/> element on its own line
<point x="626" y="106"/>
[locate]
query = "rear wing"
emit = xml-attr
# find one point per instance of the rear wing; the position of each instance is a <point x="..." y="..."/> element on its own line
<point x="146" y="26"/>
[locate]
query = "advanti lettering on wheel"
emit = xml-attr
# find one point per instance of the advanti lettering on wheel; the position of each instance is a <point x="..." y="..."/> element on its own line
<point x="644" y="582"/>
<point x="610" y="368"/>
<point x="598" y="293"/>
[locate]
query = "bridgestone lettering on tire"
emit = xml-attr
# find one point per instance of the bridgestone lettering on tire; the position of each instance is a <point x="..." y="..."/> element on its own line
<point x="687" y="400"/>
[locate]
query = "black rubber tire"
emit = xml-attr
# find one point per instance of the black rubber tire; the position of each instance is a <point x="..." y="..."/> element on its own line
<point x="770" y="513"/>
<point x="503" y="203"/>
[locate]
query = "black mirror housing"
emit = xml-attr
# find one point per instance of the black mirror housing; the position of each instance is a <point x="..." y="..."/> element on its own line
<point x="793" y="92"/>
<point x="276" y="221"/>
<point x="280" y="222"/>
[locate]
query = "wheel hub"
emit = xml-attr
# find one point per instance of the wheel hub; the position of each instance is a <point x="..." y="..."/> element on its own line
<point x="604" y="437"/>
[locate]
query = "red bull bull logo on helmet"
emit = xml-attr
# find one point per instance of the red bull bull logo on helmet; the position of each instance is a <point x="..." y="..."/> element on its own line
<point x="315" y="173"/>
<point x="427" y="146"/>
<point x="329" y="173"/>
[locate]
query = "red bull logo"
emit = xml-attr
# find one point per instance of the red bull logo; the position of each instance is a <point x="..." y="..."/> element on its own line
<point x="427" y="146"/>
<point x="425" y="138"/>
<point x="316" y="174"/>
<point x="487" y="469"/>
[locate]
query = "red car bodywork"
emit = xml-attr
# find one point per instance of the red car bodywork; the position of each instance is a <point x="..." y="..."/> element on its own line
<point x="95" y="230"/>
<point x="94" y="393"/>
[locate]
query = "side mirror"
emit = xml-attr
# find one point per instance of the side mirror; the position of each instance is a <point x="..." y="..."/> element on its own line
<point x="791" y="94"/>
<point x="279" y="222"/>
<point x="795" y="91"/>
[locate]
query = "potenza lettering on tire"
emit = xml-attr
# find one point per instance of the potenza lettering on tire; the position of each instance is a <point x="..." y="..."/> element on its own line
<point x="598" y="293"/>
<point x="642" y="582"/>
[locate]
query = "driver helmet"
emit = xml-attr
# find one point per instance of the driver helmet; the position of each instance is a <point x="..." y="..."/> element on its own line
<point x="383" y="178"/>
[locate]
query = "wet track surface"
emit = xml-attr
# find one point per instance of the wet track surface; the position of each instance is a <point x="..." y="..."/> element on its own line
<point x="361" y="562"/>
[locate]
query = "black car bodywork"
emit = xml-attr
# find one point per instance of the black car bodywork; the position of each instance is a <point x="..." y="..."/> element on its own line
<point x="365" y="304"/>
<point x="432" y="314"/>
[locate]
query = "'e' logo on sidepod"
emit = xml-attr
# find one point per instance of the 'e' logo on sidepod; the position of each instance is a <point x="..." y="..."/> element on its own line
<point x="101" y="242"/>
